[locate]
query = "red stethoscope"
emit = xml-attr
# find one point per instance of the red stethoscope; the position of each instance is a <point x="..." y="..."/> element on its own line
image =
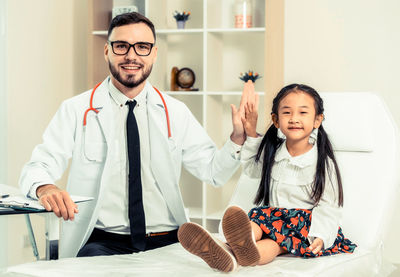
<point x="96" y="111"/>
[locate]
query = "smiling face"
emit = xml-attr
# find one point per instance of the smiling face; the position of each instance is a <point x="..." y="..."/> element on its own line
<point x="297" y="117"/>
<point x="130" y="70"/>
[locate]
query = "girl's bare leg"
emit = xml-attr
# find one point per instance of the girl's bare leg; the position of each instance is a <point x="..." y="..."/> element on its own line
<point x="267" y="248"/>
<point x="256" y="231"/>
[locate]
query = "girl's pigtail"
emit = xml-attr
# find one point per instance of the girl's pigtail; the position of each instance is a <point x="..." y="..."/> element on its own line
<point x="325" y="150"/>
<point x="268" y="146"/>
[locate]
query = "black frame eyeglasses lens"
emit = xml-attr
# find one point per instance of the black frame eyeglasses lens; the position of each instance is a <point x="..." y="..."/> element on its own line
<point x="123" y="47"/>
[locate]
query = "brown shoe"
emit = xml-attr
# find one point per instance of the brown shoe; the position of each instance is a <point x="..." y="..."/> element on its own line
<point x="199" y="242"/>
<point x="239" y="236"/>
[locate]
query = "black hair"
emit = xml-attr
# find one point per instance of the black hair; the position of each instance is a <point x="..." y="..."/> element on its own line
<point x="131" y="18"/>
<point x="271" y="142"/>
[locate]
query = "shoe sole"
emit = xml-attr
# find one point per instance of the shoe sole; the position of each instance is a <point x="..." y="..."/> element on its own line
<point x="239" y="236"/>
<point x="199" y="242"/>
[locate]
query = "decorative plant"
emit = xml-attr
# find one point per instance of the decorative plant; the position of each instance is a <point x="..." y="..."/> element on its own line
<point x="181" y="16"/>
<point x="250" y="75"/>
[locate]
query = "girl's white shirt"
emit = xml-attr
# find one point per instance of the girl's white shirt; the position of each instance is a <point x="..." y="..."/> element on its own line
<point x="291" y="187"/>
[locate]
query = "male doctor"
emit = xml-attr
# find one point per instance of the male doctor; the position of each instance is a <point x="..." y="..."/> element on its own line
<point x="125" y="154"/>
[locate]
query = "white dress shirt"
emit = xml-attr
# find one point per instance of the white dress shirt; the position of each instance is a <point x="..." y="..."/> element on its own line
<point x="291" y="185"/>
<point x="113" y="215"/>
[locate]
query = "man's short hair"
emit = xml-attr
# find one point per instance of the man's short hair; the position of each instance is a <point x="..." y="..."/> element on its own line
<point x="131" y="18"/>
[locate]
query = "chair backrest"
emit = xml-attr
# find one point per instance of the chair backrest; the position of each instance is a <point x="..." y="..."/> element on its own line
<point x="366" y="143"/>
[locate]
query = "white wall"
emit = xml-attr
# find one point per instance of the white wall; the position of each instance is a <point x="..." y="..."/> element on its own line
<point x="347" y="45"/>
<point x="3" y="78"/>
<point x="46" y="41"/>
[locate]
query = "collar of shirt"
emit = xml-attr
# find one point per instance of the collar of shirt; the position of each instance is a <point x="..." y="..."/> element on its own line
<point x="120" y="99"/>
<point x="302" y="161"/>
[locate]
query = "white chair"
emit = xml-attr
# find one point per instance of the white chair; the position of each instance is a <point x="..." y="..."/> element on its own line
<point x="366" y="141"/>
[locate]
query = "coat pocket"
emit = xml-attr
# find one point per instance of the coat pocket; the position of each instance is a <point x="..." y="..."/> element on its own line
<point x="95" y="151"/>
<point x="94" y="143"/>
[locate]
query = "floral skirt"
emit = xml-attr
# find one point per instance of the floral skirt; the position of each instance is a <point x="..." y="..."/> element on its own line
<point x="290" y="227"/>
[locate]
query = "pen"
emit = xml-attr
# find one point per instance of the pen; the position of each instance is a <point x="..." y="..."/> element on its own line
<point x="4" y="196"/>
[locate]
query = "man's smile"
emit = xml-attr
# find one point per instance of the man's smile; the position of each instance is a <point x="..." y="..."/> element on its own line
<point x="131" y="68"/>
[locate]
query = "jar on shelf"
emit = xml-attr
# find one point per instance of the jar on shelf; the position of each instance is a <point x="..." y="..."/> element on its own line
<point x="243" y="14"/>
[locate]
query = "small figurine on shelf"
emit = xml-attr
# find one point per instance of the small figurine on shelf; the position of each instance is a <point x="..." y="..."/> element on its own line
<point x="181" y="18"/>
<point x="249" y="76"/>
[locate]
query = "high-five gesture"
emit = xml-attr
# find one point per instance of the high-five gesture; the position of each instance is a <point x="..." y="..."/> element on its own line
<point x="251" y="110"/>
<point x="238" y="135"/>
<point x="244" y="119"/>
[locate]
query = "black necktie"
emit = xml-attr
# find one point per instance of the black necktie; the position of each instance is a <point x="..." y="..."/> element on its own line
<point x="136" y="212"/>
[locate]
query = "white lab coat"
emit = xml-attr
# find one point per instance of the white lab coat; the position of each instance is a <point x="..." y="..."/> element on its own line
<point x="95" y="152"/>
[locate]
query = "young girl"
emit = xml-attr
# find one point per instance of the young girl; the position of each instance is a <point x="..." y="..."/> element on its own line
<point x="300" y="192"/>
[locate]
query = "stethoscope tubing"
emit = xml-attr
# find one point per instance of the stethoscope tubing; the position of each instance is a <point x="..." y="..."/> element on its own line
<point x="166" y="111"/>
<point x="91" y="108"/>
<point x="90" y="105"/>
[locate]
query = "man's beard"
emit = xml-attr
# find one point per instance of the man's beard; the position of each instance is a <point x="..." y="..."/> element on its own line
<point x="129" y="82"/>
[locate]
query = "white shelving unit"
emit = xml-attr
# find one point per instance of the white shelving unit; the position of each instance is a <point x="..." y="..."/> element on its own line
<point x="217" y="53"/>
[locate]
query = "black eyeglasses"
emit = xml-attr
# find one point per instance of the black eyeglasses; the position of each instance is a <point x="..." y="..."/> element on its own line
<point x="123" y="47"/>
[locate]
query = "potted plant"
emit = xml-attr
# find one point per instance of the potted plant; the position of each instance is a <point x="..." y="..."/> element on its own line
<point x="250" y="75"/>
<point x="181" y="18"/>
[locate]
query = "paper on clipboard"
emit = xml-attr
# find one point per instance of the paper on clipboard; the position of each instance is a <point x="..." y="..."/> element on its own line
<point x="21" y="202"/>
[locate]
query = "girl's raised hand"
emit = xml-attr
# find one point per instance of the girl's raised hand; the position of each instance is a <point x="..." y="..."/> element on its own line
<point x="250" y="110"/>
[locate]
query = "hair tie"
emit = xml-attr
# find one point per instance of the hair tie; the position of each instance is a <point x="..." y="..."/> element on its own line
<point x="280" y="134"/>
<point x="313" y="136"/>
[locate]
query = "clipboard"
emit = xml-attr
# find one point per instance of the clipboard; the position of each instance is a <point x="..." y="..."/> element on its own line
<point x="18" y="202"/>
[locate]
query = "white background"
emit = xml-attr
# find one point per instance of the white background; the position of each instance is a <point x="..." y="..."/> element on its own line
<point x="3" y="153"/>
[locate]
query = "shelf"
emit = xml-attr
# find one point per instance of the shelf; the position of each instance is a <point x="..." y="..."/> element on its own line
<point x="211" y="30"/>
<point x="190" y="31"/>
<point x="217" y="53"/>
<point x="215" y="216"/>
<point x="195" y="212"/>
<point x="178" y="31"/>
<point x="208" y="93"/>
<point x="229" y="93"/>
<point x="232" y="54"/>
<point x="236" y="30"/>
<point x="185" y="92"/>
<point x="100" y="33"/>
